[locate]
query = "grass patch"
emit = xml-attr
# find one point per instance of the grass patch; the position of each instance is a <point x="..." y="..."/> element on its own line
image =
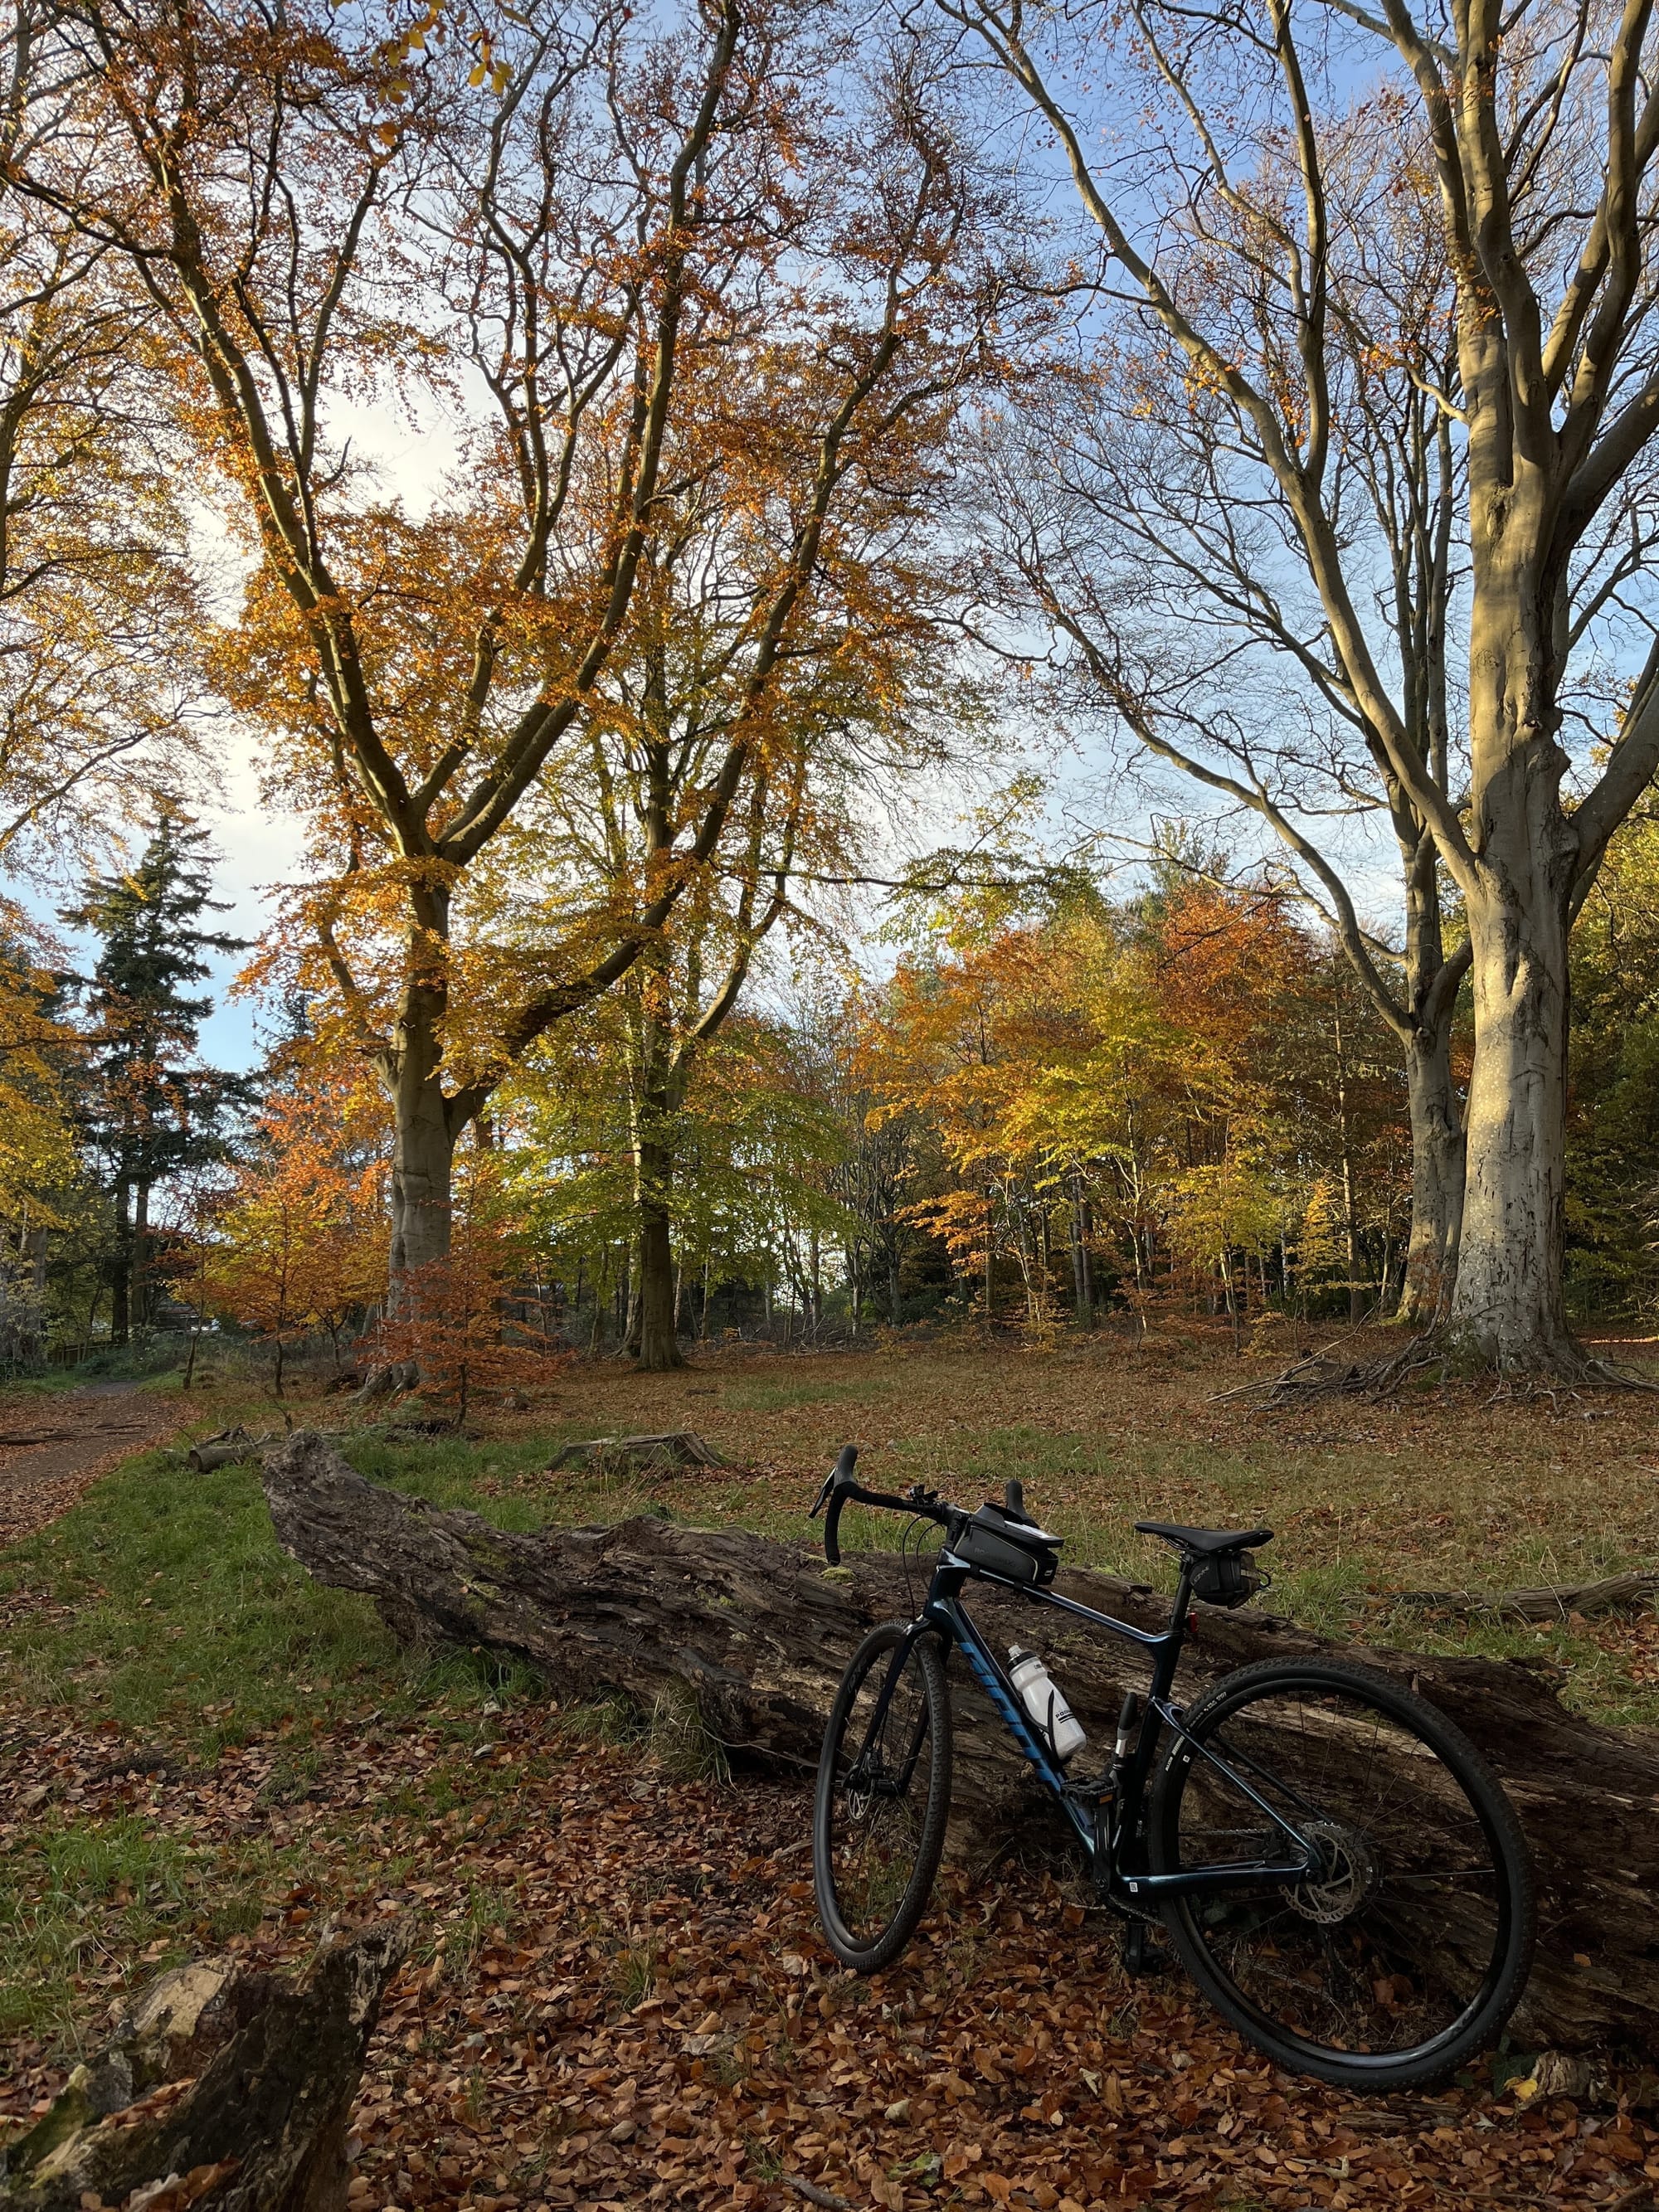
<point x="776" y="1397"/>
<point x="634" y="1974"/>
<point x="681" y="1740"/>
<point x="186" y="1617"/>
<point x="159" y="1618"/>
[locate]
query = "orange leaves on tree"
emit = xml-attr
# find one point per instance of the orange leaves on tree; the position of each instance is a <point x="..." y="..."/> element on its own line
<point x="297" y="1245"/>
<point x="476" y="1319"/>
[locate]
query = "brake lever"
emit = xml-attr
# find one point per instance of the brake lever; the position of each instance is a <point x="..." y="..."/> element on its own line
<point x="840" y="1475"/>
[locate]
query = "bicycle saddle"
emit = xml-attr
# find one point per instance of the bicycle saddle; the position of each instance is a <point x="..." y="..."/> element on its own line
<point x="1207" y="1543"/>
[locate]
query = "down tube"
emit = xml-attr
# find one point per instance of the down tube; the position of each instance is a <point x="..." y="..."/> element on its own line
<point x="990" y="1677"/>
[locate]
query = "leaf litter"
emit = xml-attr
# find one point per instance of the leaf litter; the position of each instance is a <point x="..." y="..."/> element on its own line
<point x="621" y="1999"/>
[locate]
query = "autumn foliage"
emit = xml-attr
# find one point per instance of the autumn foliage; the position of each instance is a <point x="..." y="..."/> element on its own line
<point x="477" y="1319"/>
<point x="1124" y="1093"/>
<point x="295" y="1246"/>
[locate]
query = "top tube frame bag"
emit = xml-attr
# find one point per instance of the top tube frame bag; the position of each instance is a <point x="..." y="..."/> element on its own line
<point x="1015" y="1550"/>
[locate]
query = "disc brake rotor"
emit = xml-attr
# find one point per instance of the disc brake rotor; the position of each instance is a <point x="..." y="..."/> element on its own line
<point x="1350" y="1872"/>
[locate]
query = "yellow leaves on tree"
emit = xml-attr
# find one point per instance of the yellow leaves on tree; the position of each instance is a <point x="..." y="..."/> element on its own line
<point x="1026" y="1055"/>
<point x="37" y="1143"/>
<point x="1143" y="1072"/>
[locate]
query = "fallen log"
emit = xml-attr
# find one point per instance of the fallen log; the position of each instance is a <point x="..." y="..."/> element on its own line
<point x="223" y="2086"/>
<point x="628" y="1455"/>
<point x="758" y="1632"/>
<point x="1551" y="1601"/>
<point x="227" y="1448"/>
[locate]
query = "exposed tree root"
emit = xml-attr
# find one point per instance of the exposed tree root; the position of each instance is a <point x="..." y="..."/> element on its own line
<point x="399" y="1374"/>
<point x="1330" y="1373"/>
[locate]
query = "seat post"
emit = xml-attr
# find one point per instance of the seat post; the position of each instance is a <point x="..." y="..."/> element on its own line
<point x="1166" y="1661"/>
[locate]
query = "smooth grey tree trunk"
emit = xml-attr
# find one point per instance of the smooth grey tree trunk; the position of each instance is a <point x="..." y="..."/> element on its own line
<point x="425" y="1126"/>
<point x="1436" y="1127"/>
<point x="1508" y="1303"/>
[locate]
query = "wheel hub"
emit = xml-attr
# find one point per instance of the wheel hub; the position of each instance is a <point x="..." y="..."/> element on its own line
<point x="861" y="1787"/>
<point x="1350" y="1870"/>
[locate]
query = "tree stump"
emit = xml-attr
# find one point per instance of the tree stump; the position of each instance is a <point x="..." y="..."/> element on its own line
<point x="760" y="1631"/>
<point x="223" y="2086"/>
<point x="679" y="1448"/>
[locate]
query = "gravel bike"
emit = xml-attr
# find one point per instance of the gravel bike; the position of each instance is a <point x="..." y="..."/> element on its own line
<point x="1336" y="1866"/>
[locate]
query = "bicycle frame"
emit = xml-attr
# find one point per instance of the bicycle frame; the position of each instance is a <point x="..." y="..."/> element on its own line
<point x="1106" y="1814"/>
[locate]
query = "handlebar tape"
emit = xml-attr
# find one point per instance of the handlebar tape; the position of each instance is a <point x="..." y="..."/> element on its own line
<point x="842" y="1482"/>
<point x="831" y="1528"/>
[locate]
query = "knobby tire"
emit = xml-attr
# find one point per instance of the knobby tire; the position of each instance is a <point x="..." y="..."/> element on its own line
<point x="877" y="1833"/>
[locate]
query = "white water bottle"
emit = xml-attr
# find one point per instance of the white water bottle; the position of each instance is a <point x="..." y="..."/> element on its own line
<point x="1045" y="1702"/>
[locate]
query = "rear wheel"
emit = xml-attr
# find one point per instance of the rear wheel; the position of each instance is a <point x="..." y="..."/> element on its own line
<point x="883" y="1800"/>
<point x="1403" y="1956"/>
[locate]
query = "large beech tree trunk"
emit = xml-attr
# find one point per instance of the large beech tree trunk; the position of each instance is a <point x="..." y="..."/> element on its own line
<point x="1432" y="984"/>
<point x="659" y="1087"/>
<point x="424" y="1145"/>
<point x="758" y="1632"/>
<point x="1508" y="1302"/>
<point x="656" y="1343"/>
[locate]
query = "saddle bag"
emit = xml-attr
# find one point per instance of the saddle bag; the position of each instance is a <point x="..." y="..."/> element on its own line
<point x="1234" y="1578"/>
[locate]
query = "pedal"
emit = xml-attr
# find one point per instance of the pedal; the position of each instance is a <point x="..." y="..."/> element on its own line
<point x="1141" y="1954"/>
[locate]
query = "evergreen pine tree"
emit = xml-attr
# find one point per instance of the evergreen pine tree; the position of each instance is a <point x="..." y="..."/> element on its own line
<point x="154" y="1108"/>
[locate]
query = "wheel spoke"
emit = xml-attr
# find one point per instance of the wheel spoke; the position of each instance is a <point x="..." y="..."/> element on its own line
<point x="1393" y="1944"/>
<point x="879" y="1820"/>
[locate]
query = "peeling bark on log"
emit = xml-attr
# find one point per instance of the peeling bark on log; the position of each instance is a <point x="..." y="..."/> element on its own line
<point x="224" y="2085"/>
<point x="760" y="1632"/>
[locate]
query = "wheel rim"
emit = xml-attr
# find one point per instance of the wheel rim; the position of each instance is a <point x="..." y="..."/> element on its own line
<point x="1400" y="1941"/>
<point x="878" y="1801"/>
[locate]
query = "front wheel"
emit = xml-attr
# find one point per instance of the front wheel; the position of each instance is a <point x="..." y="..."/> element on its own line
<point x="884" y="1797"/>
<point x="1401" y="1957"/>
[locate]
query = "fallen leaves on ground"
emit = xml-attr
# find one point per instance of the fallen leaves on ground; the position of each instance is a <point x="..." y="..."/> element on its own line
<point x="56" y="1445"/>
<point x="622" y="2000"/>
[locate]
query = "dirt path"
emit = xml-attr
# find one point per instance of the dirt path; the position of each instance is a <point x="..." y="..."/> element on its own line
<point x="53" y="1448"/>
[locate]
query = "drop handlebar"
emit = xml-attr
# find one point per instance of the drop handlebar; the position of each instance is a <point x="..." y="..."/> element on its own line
<point x="842" y="1487"/>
